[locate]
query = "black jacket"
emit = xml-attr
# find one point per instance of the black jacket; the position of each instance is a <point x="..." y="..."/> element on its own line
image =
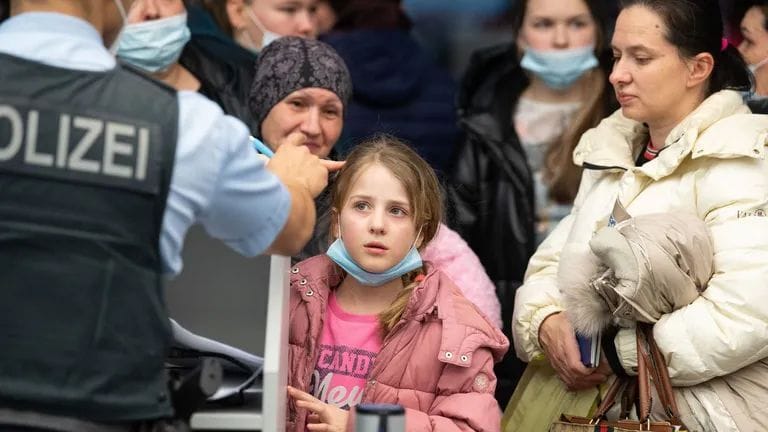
<point x="758" y="105"/>
<point x="399" y="90"/>
<point x="492" y="185"/>
<point x="224" y="68"/>
<point x="492" y="191"/>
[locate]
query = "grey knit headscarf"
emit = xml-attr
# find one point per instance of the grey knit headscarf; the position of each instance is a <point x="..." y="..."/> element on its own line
<point x="291" y="63"/>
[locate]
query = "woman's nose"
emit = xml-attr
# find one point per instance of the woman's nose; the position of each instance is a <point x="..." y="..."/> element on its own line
<point x="305" y="26"/>
<point x="311" y="124"/>
<point x="561" y="39"/>
<point x="151" y="10"/>
<point x="618" y="74"/>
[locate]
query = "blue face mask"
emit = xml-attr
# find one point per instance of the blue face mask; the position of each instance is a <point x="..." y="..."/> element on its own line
<point x="339" y="254"/>
<point x="559" y="68"/>
<point x="154" y="46"/>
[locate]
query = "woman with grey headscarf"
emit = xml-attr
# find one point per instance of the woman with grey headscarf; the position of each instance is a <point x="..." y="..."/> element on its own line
<point x="300" y="85"/>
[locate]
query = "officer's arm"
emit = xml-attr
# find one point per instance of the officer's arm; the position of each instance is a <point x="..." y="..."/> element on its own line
<point x="305" y="176"/>
<point x="300" y="224"/>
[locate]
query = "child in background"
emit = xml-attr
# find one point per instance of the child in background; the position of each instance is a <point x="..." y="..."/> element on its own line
<point x="370" y="322"/>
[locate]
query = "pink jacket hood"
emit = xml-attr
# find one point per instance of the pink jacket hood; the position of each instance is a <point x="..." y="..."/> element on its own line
<point x="437" y="362"/>
<point x="450" y="253"/>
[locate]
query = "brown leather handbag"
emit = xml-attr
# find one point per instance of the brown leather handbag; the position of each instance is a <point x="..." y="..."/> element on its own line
<point x="652" y="370"/>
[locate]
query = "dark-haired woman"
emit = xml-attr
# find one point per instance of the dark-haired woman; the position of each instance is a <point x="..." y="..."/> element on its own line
<point x="523" y="107"/>
<point x="754" y="50"/>
<point x="682" y="142"/>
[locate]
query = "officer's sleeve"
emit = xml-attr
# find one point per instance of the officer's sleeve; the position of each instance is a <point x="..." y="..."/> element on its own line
<point x="220" y="182"/>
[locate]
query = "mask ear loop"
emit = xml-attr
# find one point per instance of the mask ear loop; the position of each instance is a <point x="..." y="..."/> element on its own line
<point x="116" y="43"/>
<point x="415" y="240"/>
<point x="247" y="34"/>
<point x="261" y="27"/>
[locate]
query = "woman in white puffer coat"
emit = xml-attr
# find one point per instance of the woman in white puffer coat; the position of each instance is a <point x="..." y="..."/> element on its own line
<point x="681" y="143"/>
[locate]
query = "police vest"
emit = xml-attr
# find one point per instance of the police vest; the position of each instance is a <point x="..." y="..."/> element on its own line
<point x="85" y="164"/>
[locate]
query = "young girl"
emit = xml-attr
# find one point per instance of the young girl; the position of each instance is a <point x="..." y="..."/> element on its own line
<point x="371" y="323"/>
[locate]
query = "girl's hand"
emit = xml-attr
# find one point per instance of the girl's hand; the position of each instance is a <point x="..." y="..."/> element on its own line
<point x="559" y="342"/>
<point x="323" y="417"/>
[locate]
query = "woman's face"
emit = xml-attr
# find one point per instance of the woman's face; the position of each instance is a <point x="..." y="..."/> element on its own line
<point x="557" y="24"/>
<point x="149" y="10"/>
<point x="754" y="47"/>
<point x="315" y="112"/>
<point x="283" y="17"/>
<point x="649" y="75"/>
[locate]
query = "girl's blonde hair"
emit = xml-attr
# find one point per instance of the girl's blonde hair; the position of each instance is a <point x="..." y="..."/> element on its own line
<point x="424" y="196"/>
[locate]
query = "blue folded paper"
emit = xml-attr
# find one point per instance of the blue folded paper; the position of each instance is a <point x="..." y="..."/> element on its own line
<point x="589" y="348"/>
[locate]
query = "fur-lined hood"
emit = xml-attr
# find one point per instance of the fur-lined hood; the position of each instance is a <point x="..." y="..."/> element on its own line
<point x="639" y="270"/>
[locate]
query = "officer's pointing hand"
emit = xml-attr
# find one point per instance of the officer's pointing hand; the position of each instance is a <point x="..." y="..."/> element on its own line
<point x="293" y="163"/>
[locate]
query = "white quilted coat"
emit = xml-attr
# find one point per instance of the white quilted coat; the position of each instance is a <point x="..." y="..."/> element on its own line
<point x="713" y="166"/>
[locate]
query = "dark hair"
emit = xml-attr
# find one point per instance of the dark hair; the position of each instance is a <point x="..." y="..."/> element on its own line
<point x="369" y="14"/>
<point x="764" y="9"/>
<point x="561" y="175"/>
<point x="218" y="11"/>
<point x="5" y="9"/>
<point x="698" y="28"/>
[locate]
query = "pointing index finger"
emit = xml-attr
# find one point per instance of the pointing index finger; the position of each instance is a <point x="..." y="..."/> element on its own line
<point x="332" y="166"/>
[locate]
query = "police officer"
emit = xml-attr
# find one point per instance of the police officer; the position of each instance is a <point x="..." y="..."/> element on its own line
<point x="102" y="171"/>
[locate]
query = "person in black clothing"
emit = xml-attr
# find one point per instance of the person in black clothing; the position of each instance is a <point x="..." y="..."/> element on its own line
<point x="522" y="108"/>
<point x="223" y="68"/>
<point x="399" y="88"/>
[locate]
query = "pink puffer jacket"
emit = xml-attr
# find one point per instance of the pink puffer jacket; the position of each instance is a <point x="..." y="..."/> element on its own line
<point x="450" y="253"/>
<point x="437" y="362"/>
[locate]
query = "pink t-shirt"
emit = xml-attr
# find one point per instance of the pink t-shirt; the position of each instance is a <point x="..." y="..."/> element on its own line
<point x="348" y="346"/>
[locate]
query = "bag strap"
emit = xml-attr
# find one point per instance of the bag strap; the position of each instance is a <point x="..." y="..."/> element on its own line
<point x="652" y="357"/>
<point x="628" y="399"/>
<point x="651" y="370"/>
<point x="609" y="399"/>
<point x="644" y="398"/>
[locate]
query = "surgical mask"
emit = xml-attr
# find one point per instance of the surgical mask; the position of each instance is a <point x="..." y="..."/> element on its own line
<point x="154" y="45"/>
<point x="124" y="16"/>
<point x="559" y="69"/>
<point x="338" y="253"/>
<point x="267" y="37"/>
<point x="758" y="65"/>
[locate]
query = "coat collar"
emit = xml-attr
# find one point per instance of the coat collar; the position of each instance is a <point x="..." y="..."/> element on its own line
<point x="721" y="127"/>
<point x="464" y="327"/>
